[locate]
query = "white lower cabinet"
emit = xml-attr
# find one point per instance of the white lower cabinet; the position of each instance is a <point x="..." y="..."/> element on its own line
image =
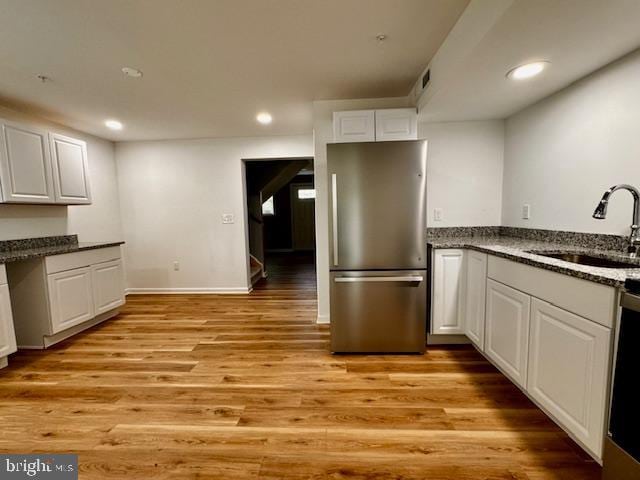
<point x="568" y="362"/>
<point x="475" y="296"/>
<point x="551" y="334"/>
<point x="56" y="297"/>
<point x="108" y="286"/>
<point x="7" y="335"/>
<point x="70" y="298"/>
<point x="507" y="330"/>
<point x="448" y="292"/>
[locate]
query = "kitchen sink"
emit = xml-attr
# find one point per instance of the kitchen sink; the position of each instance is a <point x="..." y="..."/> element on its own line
<point x="584" y="259"/>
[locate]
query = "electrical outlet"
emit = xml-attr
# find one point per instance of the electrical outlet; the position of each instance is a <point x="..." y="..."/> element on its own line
<point x="227" y="218"/>
<point x="526" y="211"/>
<point x="176" y="266"/>
<point x="437" y="214"/>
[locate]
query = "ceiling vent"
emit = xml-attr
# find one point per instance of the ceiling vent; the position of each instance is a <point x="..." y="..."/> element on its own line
<point x="421" y="85"/>
<point x="425" y="79"/>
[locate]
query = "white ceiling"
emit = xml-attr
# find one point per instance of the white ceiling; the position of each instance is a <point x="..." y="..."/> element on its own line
<point x="577" y="36"/>
<point x="211" y="65"/>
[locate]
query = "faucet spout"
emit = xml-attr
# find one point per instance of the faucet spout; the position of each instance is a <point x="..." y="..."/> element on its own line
<point x="601" y="213"/>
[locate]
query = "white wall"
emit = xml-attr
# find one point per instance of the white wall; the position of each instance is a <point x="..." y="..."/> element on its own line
<point x="563" y="152"/>
<point x="173" y="194"/>
<point x="97" y="222"/>
<point x="464" y="172"/>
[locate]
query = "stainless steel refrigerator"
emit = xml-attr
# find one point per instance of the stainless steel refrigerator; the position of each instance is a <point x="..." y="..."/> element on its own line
<point x="378" y="248"/>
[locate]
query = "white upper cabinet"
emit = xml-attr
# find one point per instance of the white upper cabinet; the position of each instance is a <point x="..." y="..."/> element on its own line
<point x="37" y="166"/>
<point x="507" y="330"/>
<point x="25" y="164"/>
<point x="448" y="292"/>
<point x="568" y="364"/>
<point x="354" y="126"/>
<point x="375" y="125"/>
<point x="475" y="296"/>
<point x="70" y="170"/>
<point x="396" y="124"/>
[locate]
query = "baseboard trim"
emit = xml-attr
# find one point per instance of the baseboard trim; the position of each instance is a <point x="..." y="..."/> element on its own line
<point x="188" y="291"/>
<point x="323" y="319"/>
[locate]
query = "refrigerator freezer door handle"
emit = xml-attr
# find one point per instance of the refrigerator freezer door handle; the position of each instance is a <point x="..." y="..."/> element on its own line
<point x="407" y="278"/>
<point x="334" y="204"/>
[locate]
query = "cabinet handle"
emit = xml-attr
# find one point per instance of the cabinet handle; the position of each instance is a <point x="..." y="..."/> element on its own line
<point x="407" y="278"/>
<point x="334" y="204"/>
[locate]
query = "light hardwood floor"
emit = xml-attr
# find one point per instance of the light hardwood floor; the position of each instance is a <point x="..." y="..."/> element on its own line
<point x="243" y="386"/>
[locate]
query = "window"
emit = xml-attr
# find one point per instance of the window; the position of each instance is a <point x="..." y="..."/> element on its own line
<point x="306" y="193"/>
<point x="267" y="207"/>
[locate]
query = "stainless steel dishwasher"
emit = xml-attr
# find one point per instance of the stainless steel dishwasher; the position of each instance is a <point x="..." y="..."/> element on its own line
<point x="621" y="459"/>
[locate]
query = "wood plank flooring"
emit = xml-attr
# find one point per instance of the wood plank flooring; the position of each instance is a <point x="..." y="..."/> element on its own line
<point x="243" y="386"/>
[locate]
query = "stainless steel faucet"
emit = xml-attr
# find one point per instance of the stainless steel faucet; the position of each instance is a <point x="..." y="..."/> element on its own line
<point x="601" y="213"/>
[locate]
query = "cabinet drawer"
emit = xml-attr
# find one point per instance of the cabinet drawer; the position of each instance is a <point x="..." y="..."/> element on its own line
<point x="69" y="261"/>
<point x="378" y="311"/>
<point x="70" y="298"/>
<point x="3" y="275"/>
<point x="588" y="299"/>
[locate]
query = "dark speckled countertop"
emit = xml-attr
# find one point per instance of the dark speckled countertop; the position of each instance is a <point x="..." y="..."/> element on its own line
<point x="523" y="250"/>
<point x="28" y="248"/>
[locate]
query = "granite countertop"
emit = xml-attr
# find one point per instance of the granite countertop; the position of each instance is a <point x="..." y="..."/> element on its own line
<point x="25" y="249"/>
<point x="523" y="250"/>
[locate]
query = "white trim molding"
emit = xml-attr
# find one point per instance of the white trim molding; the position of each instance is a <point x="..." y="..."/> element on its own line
<point x="323" y="319"/>
<point x="188" y="291"/>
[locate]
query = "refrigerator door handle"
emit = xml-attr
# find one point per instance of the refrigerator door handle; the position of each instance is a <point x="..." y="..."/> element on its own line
<point x="406" y="278"/>
<point x="334" y="205"/>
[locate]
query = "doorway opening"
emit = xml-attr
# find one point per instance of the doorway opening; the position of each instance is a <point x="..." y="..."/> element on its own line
<point x="280" y="204"/>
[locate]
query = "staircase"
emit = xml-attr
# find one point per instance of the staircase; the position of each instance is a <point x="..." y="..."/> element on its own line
<point x="256" y="269"/>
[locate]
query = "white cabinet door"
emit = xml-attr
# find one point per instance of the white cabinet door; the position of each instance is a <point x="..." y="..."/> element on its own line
<point x="108" y="286"/>
<point x="70" y="298"/>
<point x="70" y="170"/>
<point x="507" y="330"/>
<point x="25" y="164"/>
<point x="447" y="292"/>
<point x="568" y="365"/>
<point x="354" y="126"/>
<point x="7" y="334"/>
<point x="396" y="124"/>
<point x="475" y="296"/>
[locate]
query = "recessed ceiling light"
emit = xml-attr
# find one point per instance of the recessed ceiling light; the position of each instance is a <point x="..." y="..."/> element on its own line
<point x="132" y="72"/>
<point x="113" y="124"/>
<point x="264" y="118"/>
<point x="527" y="70"/>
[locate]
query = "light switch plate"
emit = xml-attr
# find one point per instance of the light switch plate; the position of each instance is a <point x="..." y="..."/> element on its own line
<point x="526" y="211"/>
<point x="227" y="218"/>
<point x="437" y="214"/>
